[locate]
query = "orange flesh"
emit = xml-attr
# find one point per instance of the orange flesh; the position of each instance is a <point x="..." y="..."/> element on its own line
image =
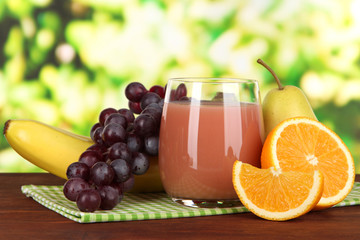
<point x="288" y="190"/>
<point x="319" y="151"/>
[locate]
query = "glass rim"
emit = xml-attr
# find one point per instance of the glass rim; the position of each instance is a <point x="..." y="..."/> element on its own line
<point x="213" y="80"/>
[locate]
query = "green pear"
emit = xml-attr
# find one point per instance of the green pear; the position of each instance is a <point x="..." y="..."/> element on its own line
<point x="283" y="102"/>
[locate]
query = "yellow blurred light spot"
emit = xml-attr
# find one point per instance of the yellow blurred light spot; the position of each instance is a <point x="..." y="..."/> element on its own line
<point x="312" y="84"/>
<point x="3" y="91"/>
<point x="43" y="110"/>
<point x="174" y="39"/>
<point x="109" y="5"/>
<point x="15" y="69"/>
<point x="349" y="91"/>
<point x="92" y="105"/>
<point x="41" y="3"/>
<point x="28" y="27"/>
<point x="288" y="53"/>
<point x="241" y="62"/>
<point x="20" y="8"/>
<point x="80" y="33"/>
<point x="49" y="75"/>
<point x="193" y="67"/>
<point x="320" y="89"/>
<point x="110" y="99"/>
<point x="72" y="108"/>
<point x="14" y="44"/>
<point x="222" y="49"/>
<point x="45" y="38"/>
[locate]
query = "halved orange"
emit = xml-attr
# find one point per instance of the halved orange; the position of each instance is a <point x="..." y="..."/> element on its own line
<point x="276" y="195"/>
<point x="304" y="144"/>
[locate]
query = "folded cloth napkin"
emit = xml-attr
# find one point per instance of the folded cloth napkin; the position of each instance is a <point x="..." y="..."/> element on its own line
<point x="138" y="206"/>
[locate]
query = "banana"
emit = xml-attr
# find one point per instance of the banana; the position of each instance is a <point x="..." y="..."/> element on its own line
<point x="50" y="148"/>
<point x="54" y="149"/>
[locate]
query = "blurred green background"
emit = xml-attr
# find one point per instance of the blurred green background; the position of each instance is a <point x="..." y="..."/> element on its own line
<point x="61" y="62"/>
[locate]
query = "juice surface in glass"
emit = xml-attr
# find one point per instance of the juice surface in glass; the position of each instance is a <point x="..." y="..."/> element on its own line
<point x="200" y="142"/>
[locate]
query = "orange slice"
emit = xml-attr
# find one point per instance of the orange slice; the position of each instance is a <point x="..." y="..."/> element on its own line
<point x="276" y="195"/>
<point x="304" y="144"/>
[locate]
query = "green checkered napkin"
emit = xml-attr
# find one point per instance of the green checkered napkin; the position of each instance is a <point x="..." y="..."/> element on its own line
<point x="138" y="206"/>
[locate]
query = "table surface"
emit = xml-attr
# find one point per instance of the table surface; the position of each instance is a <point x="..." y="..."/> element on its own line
<point x="23" y="218"/>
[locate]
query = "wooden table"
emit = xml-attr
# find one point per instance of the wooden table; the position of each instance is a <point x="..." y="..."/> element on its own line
<point x="23" y="218"/>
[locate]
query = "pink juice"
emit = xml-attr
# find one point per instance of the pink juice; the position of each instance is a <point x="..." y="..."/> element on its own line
<point x="199" y="144"/>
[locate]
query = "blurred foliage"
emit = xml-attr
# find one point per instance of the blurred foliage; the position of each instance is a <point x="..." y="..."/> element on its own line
<point x="63" y="61"/>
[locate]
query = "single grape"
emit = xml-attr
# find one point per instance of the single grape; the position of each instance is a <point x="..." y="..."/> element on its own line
<point x="101" y="174"/>
<point x="97" y="148"/>
<point x="120" y="150"/>
<point x="122" y="170"/>
<point x="159" y="90"/>
<point x="155" y="105"/>
<point x="73" y="186"/>
<point x="155" y="112"/>
<point x="90" y="157"/>
<point x="219" y="97"/>
<point x="109" y="197"/>
<point x="101" y="149"/>
<point x="135" y="91"/>
<point x="88" y="200"/>
<point x="180" y="91"/>
<point x="127" y="114"/>
<point x="93" y="128"/>
<point x="152" y="145"/>
<point x="148" y="98"/>
<point x="135" y="107"/>
<point x="113" y="133"/>
<point x="105" y="114"/>
<point x="172" y="95"/>
<point x="128" y="184"/>
<point x="118" y="119"/>
<point x="78" y="170"/>
<point x="96" y="135"/>
<point x="134" y="143"/>
<point x="224" y="97"/>
<point x="118" y="186"/>
<point x="141" y="164"/>
<point x="145" y="125"/>
<point x="185" y="99"/>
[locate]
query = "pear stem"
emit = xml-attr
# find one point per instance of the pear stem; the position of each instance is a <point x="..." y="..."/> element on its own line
<point x="272" y="73"/>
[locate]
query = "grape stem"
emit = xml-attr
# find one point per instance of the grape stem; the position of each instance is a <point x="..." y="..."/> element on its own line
<point x="272" y="73"/>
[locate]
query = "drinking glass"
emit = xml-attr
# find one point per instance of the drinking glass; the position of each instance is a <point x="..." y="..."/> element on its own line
<point x="207" y="124"/>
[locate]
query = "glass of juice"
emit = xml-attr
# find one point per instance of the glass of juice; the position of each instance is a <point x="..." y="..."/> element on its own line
<point x="206" y="125"/>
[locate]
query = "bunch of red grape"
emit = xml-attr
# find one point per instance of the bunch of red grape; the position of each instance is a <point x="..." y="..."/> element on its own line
<point x="122" y="144"/>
